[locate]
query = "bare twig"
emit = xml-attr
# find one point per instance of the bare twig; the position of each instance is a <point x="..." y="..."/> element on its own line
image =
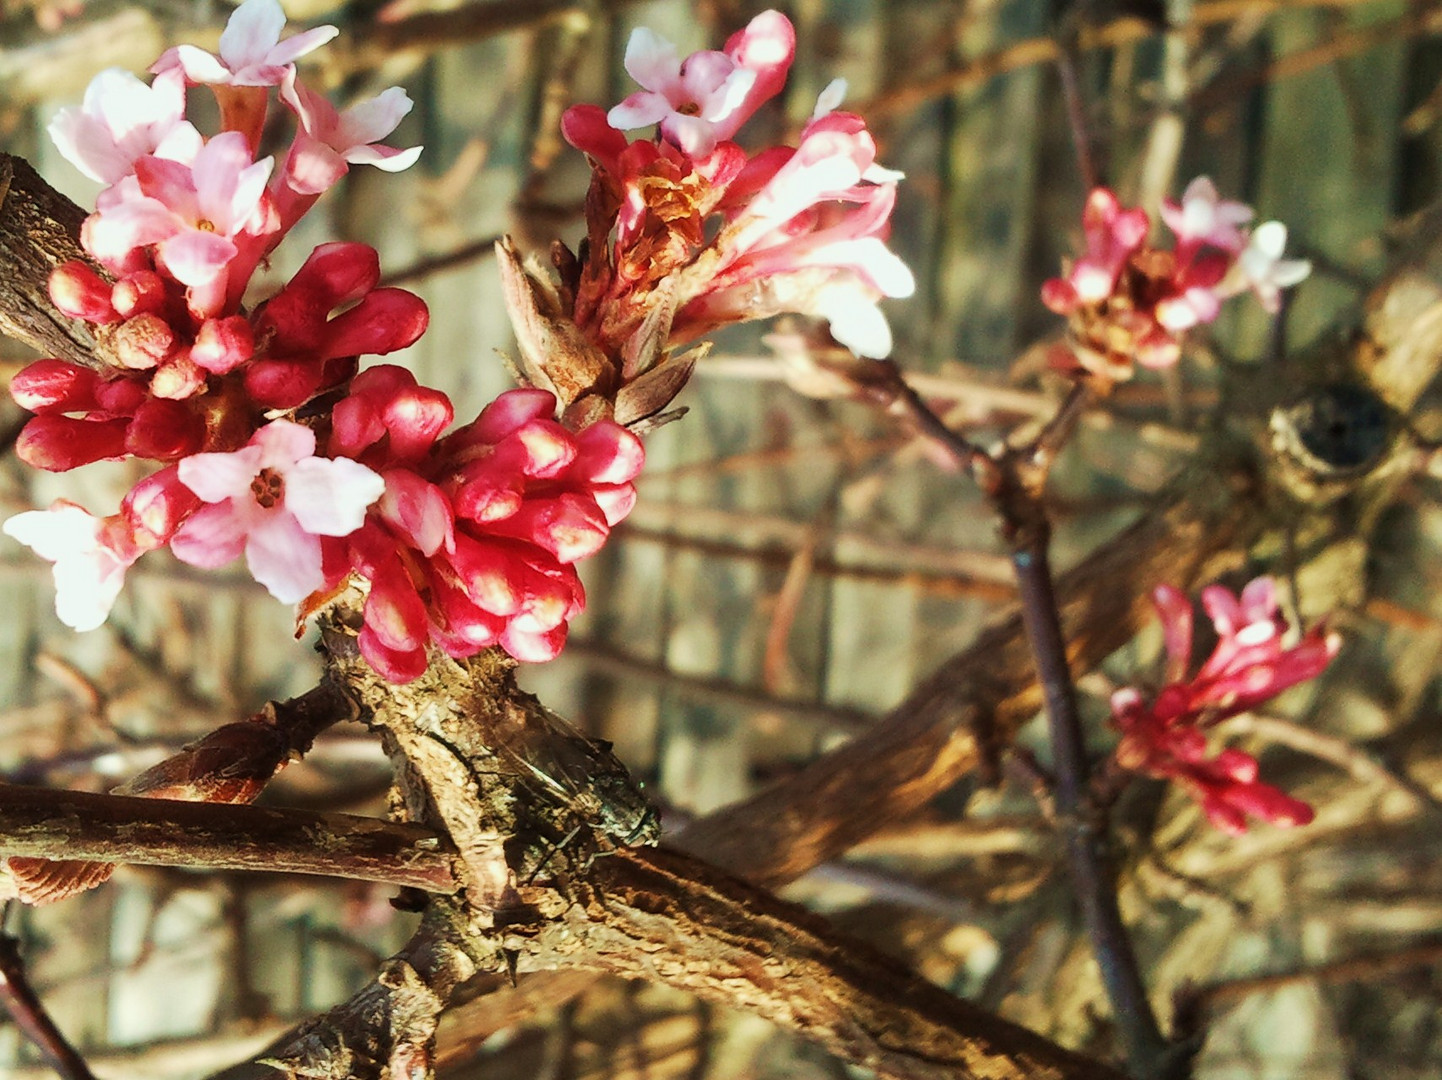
<point x="1083" y="830"/>
<point x="1352" y="969"/>
<point x="26" y="1009"/>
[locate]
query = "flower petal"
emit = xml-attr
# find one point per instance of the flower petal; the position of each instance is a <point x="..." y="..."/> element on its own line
<point x="284" y="558"/>
<point x="329" y="496"/>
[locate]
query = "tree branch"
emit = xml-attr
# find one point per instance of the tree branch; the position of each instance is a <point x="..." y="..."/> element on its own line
<point x="667" y="917"/>
<point x="40" y="230"/>
<point x="45" y="824"/>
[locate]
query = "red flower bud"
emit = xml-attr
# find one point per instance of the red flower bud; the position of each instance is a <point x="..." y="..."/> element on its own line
<point x="140" y="293"/>
<point x="54" y="386"/>
<point x="222" y="345"/>
<point x="81" y="293"/>
<point x="384" y="321"/>
<point x="282" y="384"/>
<point x="165" y="431"/>
<point x="58" y="443"/>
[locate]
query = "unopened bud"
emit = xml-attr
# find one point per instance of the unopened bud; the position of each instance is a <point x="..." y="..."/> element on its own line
<point x="222" y="345"/>
<point x="81" y="293"/>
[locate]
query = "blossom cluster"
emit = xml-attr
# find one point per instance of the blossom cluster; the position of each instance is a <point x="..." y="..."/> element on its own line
<point x="688" y="232"/>
<point x="1165" y="737"/>
<point x="1127" y="300"/>
<point x="272" y="444"/>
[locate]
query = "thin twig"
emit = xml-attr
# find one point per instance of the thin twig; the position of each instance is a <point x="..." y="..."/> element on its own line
<point x="1352" y="969"/>
<point x="26" y="1009"/>
<point x="1066" y="68"/>
<point x="1083" y="832"/>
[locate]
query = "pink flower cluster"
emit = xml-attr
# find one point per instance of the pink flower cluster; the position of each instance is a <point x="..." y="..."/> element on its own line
<point x="1165" y="737"/>
<point x="1127" y="300"/>
<point x="272" y="447"/>
<point x="690" y="220"/>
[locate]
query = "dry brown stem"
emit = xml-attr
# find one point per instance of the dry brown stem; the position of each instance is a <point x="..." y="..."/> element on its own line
<point x="44" y="824"/>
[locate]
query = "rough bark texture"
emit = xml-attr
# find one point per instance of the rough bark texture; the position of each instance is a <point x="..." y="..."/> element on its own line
<point x="43" y="823"/>
<point x="40" y="230"/>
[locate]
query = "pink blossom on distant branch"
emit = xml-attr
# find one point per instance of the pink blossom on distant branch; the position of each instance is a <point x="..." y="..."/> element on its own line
<point x="1129" y="300"/>
<point x="1204" y="217"/>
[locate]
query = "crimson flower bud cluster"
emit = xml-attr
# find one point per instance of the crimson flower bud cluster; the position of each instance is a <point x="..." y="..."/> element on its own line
<point x="1165" y="736"/>
<point x="474" y="540"/>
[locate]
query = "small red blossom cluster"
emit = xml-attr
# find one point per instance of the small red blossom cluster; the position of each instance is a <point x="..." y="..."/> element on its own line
<point x="474" y="541"/>
<point x="1165" y="737"/>
<point x="1127" y="300"/>
<point x="273" y="445"/>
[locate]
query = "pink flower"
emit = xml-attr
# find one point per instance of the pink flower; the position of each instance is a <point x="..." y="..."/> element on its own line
<point x="707" y="97"/>
<point x="193" y="213"/>
<point x="691" y="100"/>
<point x="765" y="45"/>
<point x="330" y="141"/>
<point x="1204" y="217"/>
<point x="1248" y="666"/>
<point x="807" y="236"/>
<point x="272" y="500"/>
<point x="835" y="156"/>
<point x="1113" y="235"/>
<point x="121" y="120"/>
<point x="89" y="563"/>
<point x="251" y="51"/>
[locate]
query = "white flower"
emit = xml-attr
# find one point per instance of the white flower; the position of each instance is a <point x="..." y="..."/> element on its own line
<point x="88" y="570"/>
<point x="1261" y="267"/>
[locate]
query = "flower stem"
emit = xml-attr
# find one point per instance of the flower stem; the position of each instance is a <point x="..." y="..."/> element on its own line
<point x="1082" y="828"/>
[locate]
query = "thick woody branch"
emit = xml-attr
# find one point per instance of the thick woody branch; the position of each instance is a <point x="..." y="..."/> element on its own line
<point x="39" y="230"/>
<point x="45" y="824"/>
<point x="973" y="702"/>
<point x="666" y="917"/>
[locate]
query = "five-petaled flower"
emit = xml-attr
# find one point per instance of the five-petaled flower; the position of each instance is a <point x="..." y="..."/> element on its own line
<point x="1249" y="665"/>
<point x="122" y="120"/>
<point x="273" y="500"/>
